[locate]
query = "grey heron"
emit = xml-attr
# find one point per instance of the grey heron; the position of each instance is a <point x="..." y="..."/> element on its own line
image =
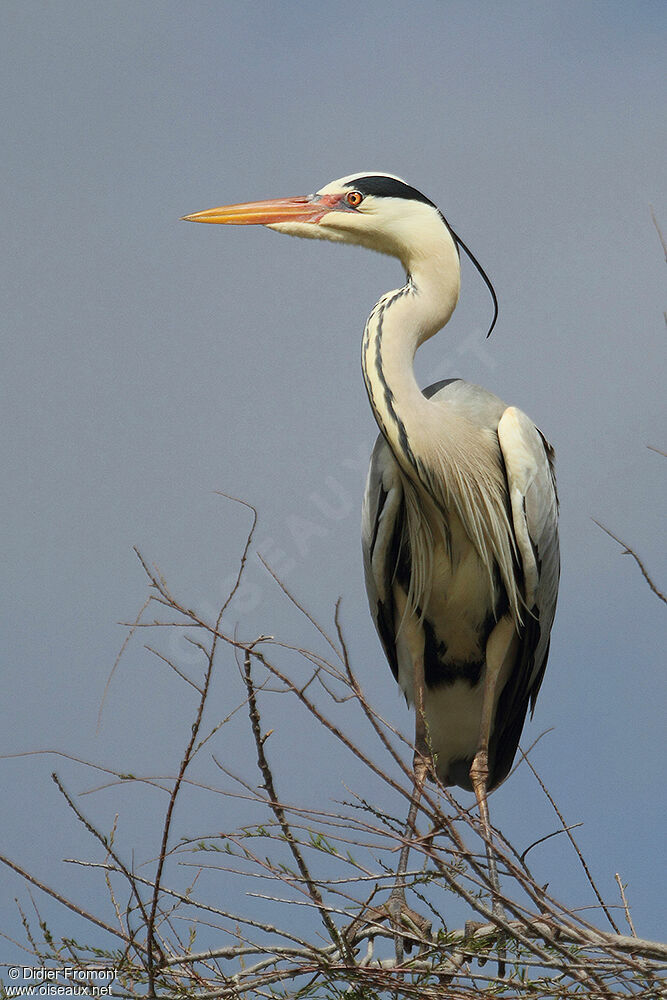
<point x="459" y="526"/>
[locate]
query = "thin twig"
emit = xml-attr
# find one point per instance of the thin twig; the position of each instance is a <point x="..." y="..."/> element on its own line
<point x="659" y="231"/>
<point x="185" y="761"/>
<point x="297" y="605"/>
<point x="103" y="840"/>
<point x="567" y="829"/>
<point x="548" y="836"/>
<point x="627" y="551"/>
<point x="67" y="903"/>
<point x="173" y="666"/>
<point x="626" y="908"/>
<point x="277" y="808"/>
<point x="132" y="629"/>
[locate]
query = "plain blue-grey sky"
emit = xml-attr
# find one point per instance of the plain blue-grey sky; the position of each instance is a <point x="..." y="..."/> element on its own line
<point x="148" y="364"/>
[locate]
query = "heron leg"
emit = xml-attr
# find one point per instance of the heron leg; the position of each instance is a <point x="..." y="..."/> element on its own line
<point x="497" y="649"/>
<point x="397" y="905"/>
<point x="479" y="776"/>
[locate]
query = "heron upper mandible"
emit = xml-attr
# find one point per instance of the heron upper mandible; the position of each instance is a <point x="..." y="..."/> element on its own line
<point x="459" y="527"/>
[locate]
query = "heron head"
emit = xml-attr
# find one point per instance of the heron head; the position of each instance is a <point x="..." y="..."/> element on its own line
<point x="375" y="210"/>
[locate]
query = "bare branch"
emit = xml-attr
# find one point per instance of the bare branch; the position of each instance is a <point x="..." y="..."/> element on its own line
<point x="67" y="903"/>
<point x="626" y="908"/>
<point x="659" y="232"/>
<point x="277" y="809"/>
<point x="627" y="551"/>
<point x="332" y="862"/>
<point x="567" y="830"/>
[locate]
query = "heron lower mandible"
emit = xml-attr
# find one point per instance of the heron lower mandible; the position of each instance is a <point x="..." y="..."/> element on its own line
<point x="459" y="531"/>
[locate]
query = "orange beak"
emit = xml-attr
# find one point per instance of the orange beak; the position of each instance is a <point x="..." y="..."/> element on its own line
<point x="264" y="213"/>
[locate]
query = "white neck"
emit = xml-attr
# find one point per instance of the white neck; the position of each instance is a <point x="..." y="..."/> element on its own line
<point x="400" y="322"/>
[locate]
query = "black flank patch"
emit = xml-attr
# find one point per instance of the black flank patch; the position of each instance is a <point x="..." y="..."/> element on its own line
<point x="437" y="671"/>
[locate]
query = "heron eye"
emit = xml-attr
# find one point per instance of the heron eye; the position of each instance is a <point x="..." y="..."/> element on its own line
<point x="354" y="198"/>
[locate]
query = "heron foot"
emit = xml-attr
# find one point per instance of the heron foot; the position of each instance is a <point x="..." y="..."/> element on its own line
<point x="479" y="771"/>
<point x="410" y="927"/>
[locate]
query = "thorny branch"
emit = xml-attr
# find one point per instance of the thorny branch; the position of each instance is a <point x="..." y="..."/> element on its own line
<point x="301" y="861"/>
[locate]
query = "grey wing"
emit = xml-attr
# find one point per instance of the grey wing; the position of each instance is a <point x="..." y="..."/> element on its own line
<point x="529" y="464"/>
<point x="381" y="541"/>
<point x="529" y="467"/>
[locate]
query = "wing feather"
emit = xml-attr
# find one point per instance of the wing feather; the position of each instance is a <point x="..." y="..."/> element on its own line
<point x="529" y="464"/>
<point x="381" y="540"/>
<point x="531" y="483"/>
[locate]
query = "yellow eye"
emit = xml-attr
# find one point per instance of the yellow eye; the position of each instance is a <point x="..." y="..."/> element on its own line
<point x="354" y="198"/>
